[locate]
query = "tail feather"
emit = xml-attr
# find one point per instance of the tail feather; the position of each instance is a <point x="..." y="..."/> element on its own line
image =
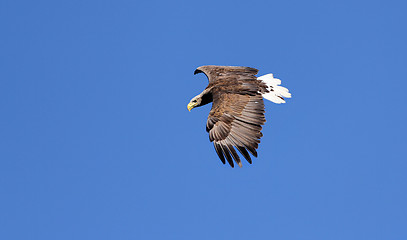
<point x="276" y="93"/>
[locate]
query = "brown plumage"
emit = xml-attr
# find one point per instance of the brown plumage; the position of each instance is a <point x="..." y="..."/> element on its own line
<point x="237" y="115"/>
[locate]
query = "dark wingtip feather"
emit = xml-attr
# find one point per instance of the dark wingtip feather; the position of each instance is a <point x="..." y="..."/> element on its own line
<point x="197" y="71"/>
<point x="219" y="152"/>
<point x="234" y="154"/>
<point x="245" y="154"/>
<point x="227" y="155"/>
<point x="255" y="153"/>
<point x="252" y="150"/>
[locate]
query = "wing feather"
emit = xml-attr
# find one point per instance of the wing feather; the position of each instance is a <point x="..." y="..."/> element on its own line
<point x="219" y="151"/>
<point x="225" y="152"/>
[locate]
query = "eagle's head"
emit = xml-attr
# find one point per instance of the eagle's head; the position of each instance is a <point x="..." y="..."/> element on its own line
<point x="205" y="97"/>
<point x="195" y="102"/>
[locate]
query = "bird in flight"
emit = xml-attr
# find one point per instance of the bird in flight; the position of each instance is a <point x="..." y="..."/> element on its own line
<point x="237" y="115"/>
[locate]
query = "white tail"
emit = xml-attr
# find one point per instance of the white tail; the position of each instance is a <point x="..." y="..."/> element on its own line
<point x="276" y="93"/>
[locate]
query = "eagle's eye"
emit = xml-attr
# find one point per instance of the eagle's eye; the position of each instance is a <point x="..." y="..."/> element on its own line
<point x="194" y="100"/>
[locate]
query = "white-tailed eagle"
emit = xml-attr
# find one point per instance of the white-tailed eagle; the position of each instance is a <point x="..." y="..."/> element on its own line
<point x="237" y="115"/>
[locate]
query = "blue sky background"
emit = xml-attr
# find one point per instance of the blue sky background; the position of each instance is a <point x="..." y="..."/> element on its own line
<point x="96" y="141"/>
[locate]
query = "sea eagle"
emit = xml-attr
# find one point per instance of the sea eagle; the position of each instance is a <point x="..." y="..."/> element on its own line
<point x="237" y="114"/>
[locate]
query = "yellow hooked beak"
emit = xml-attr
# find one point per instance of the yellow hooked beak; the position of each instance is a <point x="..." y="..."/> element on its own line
<point x="190" y="106"/>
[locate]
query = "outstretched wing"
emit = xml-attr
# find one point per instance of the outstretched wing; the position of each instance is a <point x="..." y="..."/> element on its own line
<point x="235" y="122"/>
<point x="220" y="73"/>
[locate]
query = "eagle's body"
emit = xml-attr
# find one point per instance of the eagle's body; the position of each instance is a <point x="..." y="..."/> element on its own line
<point x="237" y="114"/>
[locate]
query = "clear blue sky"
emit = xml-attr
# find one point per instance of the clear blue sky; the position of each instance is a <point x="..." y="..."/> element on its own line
<point x="96" y="141"/>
